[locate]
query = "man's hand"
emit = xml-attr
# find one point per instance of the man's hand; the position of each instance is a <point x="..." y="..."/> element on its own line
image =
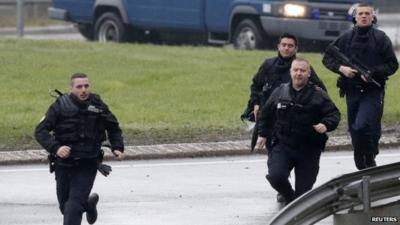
<point x="256" y="111"/>
<point x="260" y="145"/>
<point x="118" y="154"/>
<point x="320" y="128"/>
<point x="63" y="152"/>
<point x="348" y="71"/>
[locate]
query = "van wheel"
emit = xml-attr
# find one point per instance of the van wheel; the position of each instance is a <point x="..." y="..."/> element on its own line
<point x="109" y="28"/>
<point x="248" y="36"/>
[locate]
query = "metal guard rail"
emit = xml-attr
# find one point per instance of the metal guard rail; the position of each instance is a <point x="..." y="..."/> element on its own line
<point x="343" y="192"/>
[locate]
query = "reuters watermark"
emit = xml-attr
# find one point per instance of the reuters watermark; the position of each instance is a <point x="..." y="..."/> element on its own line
<point x="385" y="219"/>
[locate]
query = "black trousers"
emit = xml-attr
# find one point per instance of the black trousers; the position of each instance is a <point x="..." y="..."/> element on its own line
<point x="364" y="112"/>
<point x="282" y="160"/>
<point x="74" y="183"/>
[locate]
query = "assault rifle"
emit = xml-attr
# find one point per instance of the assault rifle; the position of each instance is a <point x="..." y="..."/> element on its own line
<point x="355" y="64"/>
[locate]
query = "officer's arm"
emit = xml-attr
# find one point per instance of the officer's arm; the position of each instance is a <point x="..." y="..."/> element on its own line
<point x="256" y="87"/>
<point x="390" y="64"/>
<point x="114" y="132"/>
<point x="266" y="121"/>
<point x="330" y="113"/>
<point x="330" y="61"/>
<point x="44" y="128"/>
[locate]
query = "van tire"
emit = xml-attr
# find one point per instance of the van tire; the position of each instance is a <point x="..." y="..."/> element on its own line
<point x="109" y="28"/>
<point x="248" y="36"/>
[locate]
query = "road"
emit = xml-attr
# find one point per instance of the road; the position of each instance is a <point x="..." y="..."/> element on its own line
<point x="392" y="32"/>
<point x="212" y="191"/>
<point x="66" y="36"/>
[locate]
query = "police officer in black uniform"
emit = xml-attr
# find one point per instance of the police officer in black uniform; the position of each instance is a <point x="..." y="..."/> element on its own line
<point x="371" y="48"/>
<point x="296" y="117"/>
<point x="72" y="131"/>
<point x="276" y="71"/>
<point x="271" y="74"/>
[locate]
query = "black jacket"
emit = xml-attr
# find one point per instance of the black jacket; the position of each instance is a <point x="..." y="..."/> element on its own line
<point x="370" y="46"/>
<point x="79" y="125"/>
<point x="271" y="74"/>
<point x="289" y="115"/>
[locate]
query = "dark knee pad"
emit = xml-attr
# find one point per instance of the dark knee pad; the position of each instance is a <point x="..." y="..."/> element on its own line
<point x="276" y="179"/>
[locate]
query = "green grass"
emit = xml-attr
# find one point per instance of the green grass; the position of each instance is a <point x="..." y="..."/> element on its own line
<point x="158" y="93"/>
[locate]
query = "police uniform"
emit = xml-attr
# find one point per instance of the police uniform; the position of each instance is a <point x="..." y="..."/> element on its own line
<point x="373" y="49"/>
<point x="288" y="118"/>
<point x="81" y="125"/>
<point x="271" y="74"/>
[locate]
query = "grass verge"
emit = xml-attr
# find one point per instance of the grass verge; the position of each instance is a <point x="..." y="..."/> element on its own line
<point x="160" y="94"/>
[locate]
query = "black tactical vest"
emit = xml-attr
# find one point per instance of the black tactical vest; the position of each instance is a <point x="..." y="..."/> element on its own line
<point x="367" y="50"/>
<point x="294" y="120"/>
<point x="80" y="126"/>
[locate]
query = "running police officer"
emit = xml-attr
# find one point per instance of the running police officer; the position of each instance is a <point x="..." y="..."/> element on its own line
<point x="271" y="74"/>
<point x="296" y="117"/>
<point x="370" y="48"/>
<point x="73" y="131"/>
<point x="276" y="71"/>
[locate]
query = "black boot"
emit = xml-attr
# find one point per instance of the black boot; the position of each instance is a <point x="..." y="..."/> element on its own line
<point x="370" y="160"/>
<point x="91" y="211"/>
<point x="280" y="198"/>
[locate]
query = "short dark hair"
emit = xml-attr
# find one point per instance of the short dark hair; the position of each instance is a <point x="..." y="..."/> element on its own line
<point x="301" y="59"/>
<point x="362" y="4"/>
<point x="290" y="36"/>
<point x="77" y="75"/>
<point x="365" y="4"/>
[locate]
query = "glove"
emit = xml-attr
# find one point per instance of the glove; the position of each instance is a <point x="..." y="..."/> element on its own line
<point x="104" y="169"/>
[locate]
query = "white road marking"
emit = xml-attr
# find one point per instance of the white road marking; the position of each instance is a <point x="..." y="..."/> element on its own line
<point x="217" y="162"/>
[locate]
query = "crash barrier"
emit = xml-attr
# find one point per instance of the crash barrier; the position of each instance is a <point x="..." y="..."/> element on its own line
<point x="362" y="191"/>
<point x="382" y="214"/>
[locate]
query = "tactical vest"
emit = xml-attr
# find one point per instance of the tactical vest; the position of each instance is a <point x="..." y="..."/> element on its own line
<point x="81" y="128"/>
<point x="293" y="125"/>
<point x="368" y="52"/>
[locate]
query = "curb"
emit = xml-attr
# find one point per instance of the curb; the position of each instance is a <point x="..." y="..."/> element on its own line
<point x="184" y="150"/>
<point x="56" y="29"/>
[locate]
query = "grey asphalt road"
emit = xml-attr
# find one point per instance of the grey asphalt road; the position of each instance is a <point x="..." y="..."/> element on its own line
<point x="66" y="36"/>
<point x="393" y="33"/>
<point x="202" y="191"/>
